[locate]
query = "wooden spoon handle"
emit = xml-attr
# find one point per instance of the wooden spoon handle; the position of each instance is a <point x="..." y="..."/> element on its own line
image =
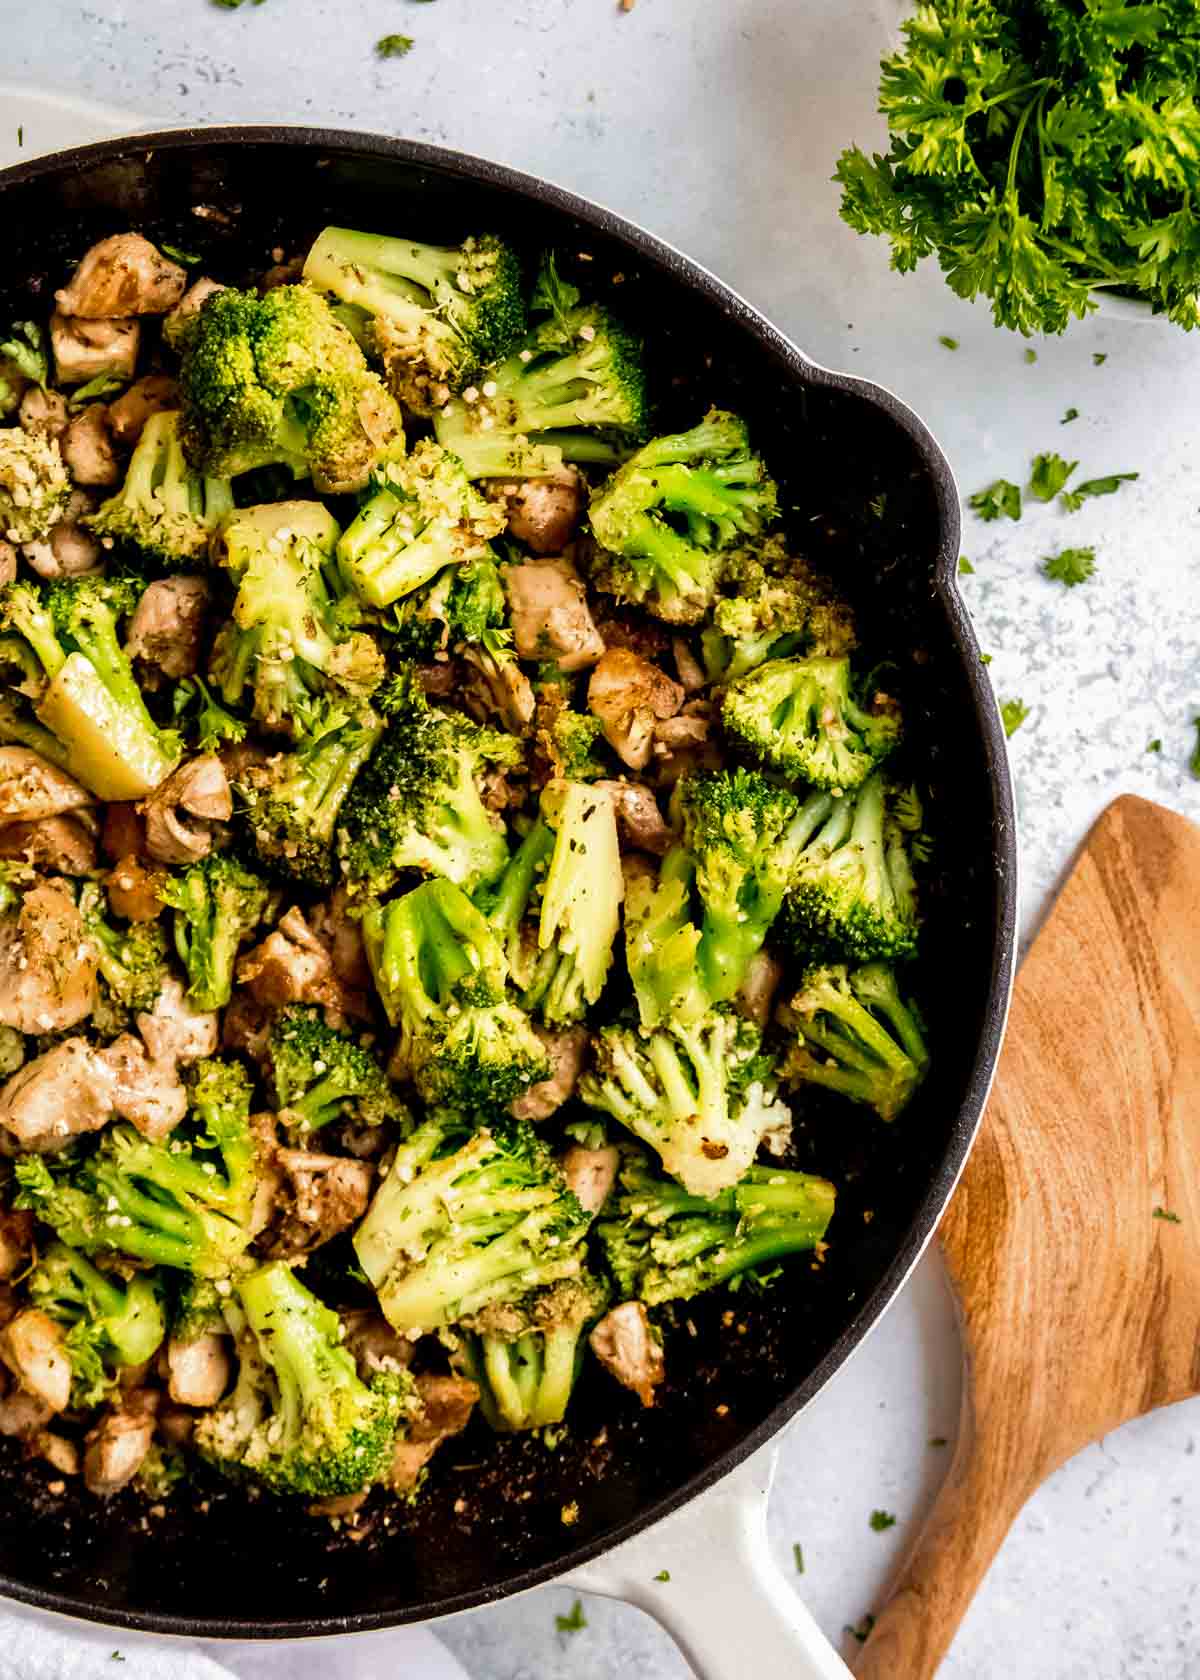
<point x="974" y="1511"/>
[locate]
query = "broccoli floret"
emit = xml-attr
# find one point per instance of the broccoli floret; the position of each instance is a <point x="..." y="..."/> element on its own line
<point x="424" y="516"/>
<point x="742" y="834"/>
<point x="287" y="641"/>
<point x="16" y="878"/>
<point x="164" y="510"/>
<point x="434" y="315"/>
<point x="564" y="968"/>
<point x="34" y="485"/>
<point x="662" y="943"/>
<point x="24" y="361"/>
<point x="217" y="904"/>
<point x="109" y="1322"/>
<point x="205" y="720"/>
<point x="665" y="519"/>
<point x="525" y="1355"/>
<point x="464" y="604"/>
<point x="806" y="718"/>
<point x="855" y="1034"/>
<point x="571" y="739"/>
<point x="131" y="959"/>
<point x="198" y="1309"/>
<point x="415" y="804"/>
<point x="278" y="379"/>
<point x="185" y="1202"/>
<point x="91" y="704"/>
<point x="454" y="1230"/>
<point x="780" y="607"/>
<point x="300" y="1419"/>
<point x="694" y="1093"/>
<point x="321" y="1074"/>
<point x="440" y="971"/>
<point x="854" y="885"/>
<point x="574" y="390"/>
<point x="662" y="1244"/>
<point x="293" y="800"/>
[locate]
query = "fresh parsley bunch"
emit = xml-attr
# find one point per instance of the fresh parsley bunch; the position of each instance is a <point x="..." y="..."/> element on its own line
<point x="1041" y="149"/>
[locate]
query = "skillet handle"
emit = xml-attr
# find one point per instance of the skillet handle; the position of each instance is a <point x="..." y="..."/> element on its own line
<point x="726" y="1604"/>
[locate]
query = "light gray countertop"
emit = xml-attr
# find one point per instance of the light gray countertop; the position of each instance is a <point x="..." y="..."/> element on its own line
<point x="718" y="127"/>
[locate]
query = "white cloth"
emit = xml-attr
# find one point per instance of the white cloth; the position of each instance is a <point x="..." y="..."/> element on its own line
<point x="34" y="1646"/>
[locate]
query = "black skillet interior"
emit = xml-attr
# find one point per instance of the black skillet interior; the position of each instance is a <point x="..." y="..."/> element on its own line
<point x="872" y="499"/>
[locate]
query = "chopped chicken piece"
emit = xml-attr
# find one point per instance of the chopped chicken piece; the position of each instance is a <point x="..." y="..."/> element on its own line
<point x="32" y="787"/>
<point x="501" y="688"/>
<point x="135" y="891"/>
<point x="688" y="668"/>
<point x="544" y="513"/>
<point x="23" y="1414"/>
<point x="176" y="1424"/>
<point x="175" y="1031"/>
<point x="565" y="1049"/>
<point x="123" y="833"/>
<point x="246" y="1026"/>
<point x="62" y="1455"/>
<point x="47" y="964"/>
<point x="626" y="628"/>
<point x="56" y="1097"/>
<point x="341" y="934"/>
<point x="627" y="1345"/>
<point x="270" y="1173"/>
<point x="191" y="303"/>
<point x="33" y="1347"/>
<point x="71" y="550"/>
<point x="292" y="966"/>
<point x="374" y="1345"/>
<point x="115" y="1450"/>
<point x="199" y="1371"/>
<point x="61" y="845"/>
<point x="682" y="744"/>
<point x="16" y="1241"/>
<point x="591" y="1173"/>
<point x="630" y="696"/>
<point x="122" y="275"/>
<point x="166" y="629"/>
<point x="87" y="448"/>
<point x="639" y="819"/>
<point x="8" y="562"/>
<point x="757" y="991"/>
<point x="282" y="274"/>
<point x="199" y="789"/>
<point x="43" y="413"/>
<point x="551" y="619"/>
<point x="84" y="350"/>
<point x="145" y="1092"/>
<point x="329" y="1194"/>
<point x="447" y="1404"/>
<point x="152" y="394"/>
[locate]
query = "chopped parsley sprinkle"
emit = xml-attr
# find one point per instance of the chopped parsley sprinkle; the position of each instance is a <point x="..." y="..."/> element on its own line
<point x="663" y="1575"/>
<point x="1155" y="745"/>
<point x="189" y="259"/>
<point x="395" y="46"/>
<point x="1013" y="714"/>
<point x="1071" y="567"/>
<point x="999" y="499"/>
<point x="1171" y="1218"/>
<point x="948" y="342"/>
<point x="574" y="1621"/>
<point x="1031" y="356"/>
<point x="1194" y="761"/>
<point x="964" y="566"/>
<point x="1071" y="414"/>
<point x="1099" y="357"/>
<point x="862" y="1630"/>
<point x="881" y="1521"/>
<point x="1050" y="473"/>
<point x="1073" y="500"/>
<point x="798" y="1556"/>
<point x="938" y="1441"/>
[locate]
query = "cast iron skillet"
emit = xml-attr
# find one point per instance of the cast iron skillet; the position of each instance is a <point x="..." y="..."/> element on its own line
<point x="871" y="497"/>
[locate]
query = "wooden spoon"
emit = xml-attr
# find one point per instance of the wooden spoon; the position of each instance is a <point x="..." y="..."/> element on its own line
<point x="1080" y="1300"/>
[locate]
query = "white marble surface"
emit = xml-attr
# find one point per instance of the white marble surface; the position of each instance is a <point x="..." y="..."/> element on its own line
<point x="718" y="126"/>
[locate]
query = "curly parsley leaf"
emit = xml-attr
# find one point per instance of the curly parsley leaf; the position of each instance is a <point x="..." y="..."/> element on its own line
<point x="1071" y="566"/>
<point x="881" y="1521"/>
<point x="395" y="46"/>
<point x="1039" y="151"/>
<point x="1073" y="500"/>
<point x="1001" y="499"/>
<point x="573" y="1621"/>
